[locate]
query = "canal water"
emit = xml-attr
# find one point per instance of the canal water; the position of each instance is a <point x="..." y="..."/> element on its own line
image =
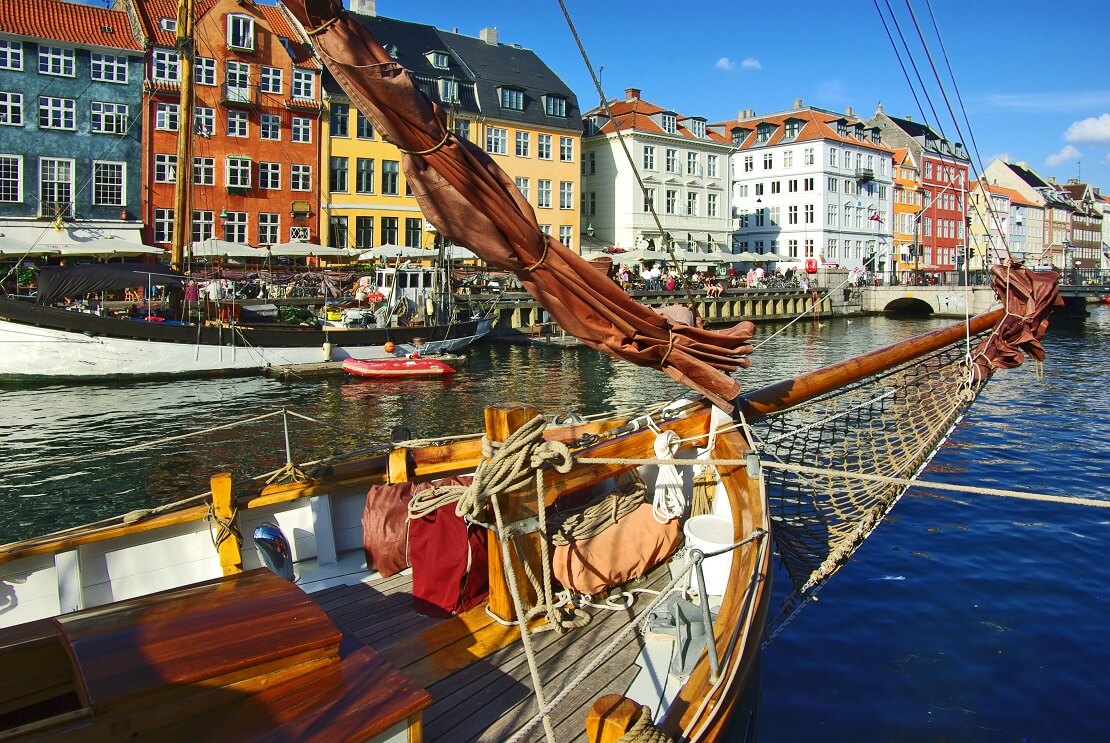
<point x="971" y="618"/>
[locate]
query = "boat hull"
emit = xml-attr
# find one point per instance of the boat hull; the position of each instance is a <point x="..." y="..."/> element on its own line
<point x="397" y="368"/>
<point x="53" y="344"/>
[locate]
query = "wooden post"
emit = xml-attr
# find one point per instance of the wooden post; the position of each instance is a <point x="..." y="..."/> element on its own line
<point x="610" y="718"/>
<point x="398" y="469"/>
<point x="501" y="422"/>
<point x="223" y="505"/>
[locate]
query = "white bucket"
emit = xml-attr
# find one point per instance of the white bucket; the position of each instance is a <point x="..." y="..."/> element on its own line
<point x="327" y="350"/>
<point x="710" y="533"/>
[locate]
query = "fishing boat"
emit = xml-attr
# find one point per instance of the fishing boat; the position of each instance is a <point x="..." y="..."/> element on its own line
<point x="546" y="578"/>
<point x="405" y="367"/>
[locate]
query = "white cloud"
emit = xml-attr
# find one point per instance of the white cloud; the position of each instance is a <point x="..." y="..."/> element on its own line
<point x="1055" y="101"/>
<point x="1068" y="153"/>
<point x="1092" y="129"/>
<point x="726" y="64"/>
<point x="751" y="63"/>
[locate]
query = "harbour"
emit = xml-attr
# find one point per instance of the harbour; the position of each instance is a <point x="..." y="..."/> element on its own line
<point x="950" y="597"/>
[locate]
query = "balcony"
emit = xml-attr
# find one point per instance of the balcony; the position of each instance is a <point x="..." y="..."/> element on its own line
<point x="244" y="96"/>
<point x="863" y="175"/>
<point x="302" y="104"/>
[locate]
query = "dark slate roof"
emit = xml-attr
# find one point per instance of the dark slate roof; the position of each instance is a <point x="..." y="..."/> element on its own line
<point x="930" y="139"/>
<point x="1028" y="176"/>
<point x="914" y="129"/>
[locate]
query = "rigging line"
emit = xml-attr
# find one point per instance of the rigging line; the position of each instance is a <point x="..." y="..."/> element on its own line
<point x="897" y="55"/>
<point x="663" y="234"/>
<point x="802" y="314"/>
<point x="913" y="65"/>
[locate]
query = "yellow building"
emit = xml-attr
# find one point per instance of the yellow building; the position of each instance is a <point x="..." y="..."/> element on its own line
<point x="907" y="209"/>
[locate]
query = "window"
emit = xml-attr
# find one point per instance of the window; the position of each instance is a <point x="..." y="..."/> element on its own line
<point x="788" y="159"/>
<point x="300" y="177"/>
<point x="792" y="215"/>
<point x="302" y="129"/>
<point x="565" y="234"/>
<point x="55" y="187"/>
<point x="809" y="213"/>
<point x="11" y="178"/>
<point x="792" y="248"/>
<point x="711" y="205"/>
<point x="649" y="157"/>
<point x="338" y="125"/>
<point x="107" y="68"/>
<point x="414" y="228"/>
<point x="522" y="186"/>
<point x="462" y="129"/>
<point x="238" y="82"/>
<point x="776" y="187"/>
<point x="269" y="228"/>
<point x="448" y="90"/>
<point x="555" y="105"/>
<point x="203" y="223"/>
<point x="364" y="232"/>
<point x="338" y="175"/>
<point x="775" y="215"/>
<point x="523" y="140"/>
<point x="768" y="160"/>
<point x="832" y="157"/>
<point x="670" y="202"/>
<point x="235" y="227"/>
<point x="204" y="121"/>
<point x="759" y="189"/>
<point x="269" y="126"/>
<point x="364" y="175"/>
<point x="566" y="149"/>
<point x="697" y="128"/>
<point x="271" y="81"/>
<point x="833" y="182"/>
<point x="240" y="32"/>
<point x="512" y="99"/>
<point x="749" y="163"/>
<point x="832" y="217"/>
<point x="391" y="177"/>
<point x="108" y="118"/>
<point x="792" y="128"/>
<point x="304" y="85"/>
<point x="165" y="168"/>
<point x="163" y="225"/>
<point x="389" y="230"/>
<point x="807" y="158"/>
<point x="238" y="175"/>
<point x="299" y="234"/>
<point x="566" y="195"/>
<point x="337" y="231"/>
<point x="711" y="166"/>
<point x="543" y="146"/>
<point x="496" y="140"/>
<point x="649" y="199"/>
<point x="57" y="113"/>
<point x="56" y="61"/>
<point x="692" y="167"/>
<point x="363" y="128"/>
<point x="11" y="55"/>
<point x="167" y="68"/>
<point x="672" y="160"/>
<point x="204" y="71"/>
<point x="742" y="190"/>
<point x="589" y="165"/>
<point x="107" y="183"/>
<point x="166" y="116"/>
<point x="204" y="171"/>
<point x="792" y="185"/>
<point x="670" y="123"/>
<point x="543" y="193"/>
<point x="237" y="123"/>
<point x="269" y="176"/>
<point x="808" y="184"/>
<point x="691" y="204"/>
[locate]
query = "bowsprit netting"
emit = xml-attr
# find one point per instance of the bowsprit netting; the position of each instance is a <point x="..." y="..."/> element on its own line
<point x="889" y="425"/>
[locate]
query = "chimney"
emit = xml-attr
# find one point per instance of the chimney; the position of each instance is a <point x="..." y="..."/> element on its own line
<point x="1052" y="180"/>
<point x="488" y="35"/>
<point x="364" y="7"/>
<point x="632" y="94"/>
<point x="849" y="112"/>
<point x="878" y="108"/>
<point x="908" y="117"/>
<point x="798" y="105"/>
<point x="1073" y="181"/>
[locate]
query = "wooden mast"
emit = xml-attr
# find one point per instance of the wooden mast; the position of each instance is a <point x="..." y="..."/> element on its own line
<point x="182" y="219"/>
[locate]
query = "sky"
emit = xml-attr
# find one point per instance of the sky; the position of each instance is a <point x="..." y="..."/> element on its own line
<point x="1033" y="77"/>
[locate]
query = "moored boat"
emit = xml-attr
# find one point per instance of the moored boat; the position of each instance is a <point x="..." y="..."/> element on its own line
<point x="404" y="367"/>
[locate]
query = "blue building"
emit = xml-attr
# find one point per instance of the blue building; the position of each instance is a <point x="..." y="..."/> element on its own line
<point x="71" y="109"/>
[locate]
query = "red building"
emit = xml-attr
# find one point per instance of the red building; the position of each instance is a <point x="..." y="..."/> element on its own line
<point x="255" y="136"/>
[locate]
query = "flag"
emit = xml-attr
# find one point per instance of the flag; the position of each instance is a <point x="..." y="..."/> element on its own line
<point x="875" y="217"/>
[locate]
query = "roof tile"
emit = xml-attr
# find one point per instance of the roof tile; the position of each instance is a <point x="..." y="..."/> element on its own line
<point x="83" y="25"/>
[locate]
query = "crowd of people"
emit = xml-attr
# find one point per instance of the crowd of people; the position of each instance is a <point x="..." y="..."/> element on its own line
<point x="659" y="277"/>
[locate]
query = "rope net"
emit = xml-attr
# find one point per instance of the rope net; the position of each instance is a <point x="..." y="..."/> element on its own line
<point x="888" y="425"/>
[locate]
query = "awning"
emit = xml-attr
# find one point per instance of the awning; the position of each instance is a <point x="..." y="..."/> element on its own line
<point x="92" y="239"/>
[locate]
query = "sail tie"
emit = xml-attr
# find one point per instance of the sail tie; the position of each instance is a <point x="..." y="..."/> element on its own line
<point x="430" y="150"/>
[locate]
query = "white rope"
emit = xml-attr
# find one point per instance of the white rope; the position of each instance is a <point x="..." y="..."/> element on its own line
<point x="668" y="502"/>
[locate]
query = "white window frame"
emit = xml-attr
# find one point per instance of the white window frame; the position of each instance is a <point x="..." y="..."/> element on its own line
<point x="11" y="55"/>
<point x="555" y="105"/>
<point x="203" y="225"/>
<point x="271" y="80"/>
<point x="566" y="234"/>
<point x="711" y="205"/>
<point x="497" y="140"/>
<point x="64" y="109"/>
<point x="108" y="68"/>
<point x="269" y="176"/>
<point x="11" y="108"/>
<point x="235" y="227"/>
<point x="57" y="61"/>
<point x="204" y="121"/>
<point x="543" y="146"/>
<point x="266" y="125"/>
<point x="448" y="89"/>
<point x="566" y="149"/>
<point x="511" y="99"/>
<point x="238" y="124"/>
<point x="566" y="194"/>
<point x="108" y="118"/>
<point x="522" y="185"/>
<point x="64" y="188"/>
<point x="649" y="157"/>
<point x="523" y="144"/>
<point x="269" y="228"/>
<point x="240" y="32"/>
<point x="300" y="177"/>
<point x="102" y="169"/>
<point x="11" y="179"/>
<point x="301" y="130"/>
<point x="670" y="123"/>
<point x="237" y="171"/>
<point x="204" y="71"/>
<point x="204" y="171"/>
<point x="165" y="168"/>
<point x="711" y="166"/>
<point x="304" y="85"/>
<point x="165" y="66"/>
<point x="163" y="225"/>
<point x="543" y="193"/>
<point x="167" y="116"/>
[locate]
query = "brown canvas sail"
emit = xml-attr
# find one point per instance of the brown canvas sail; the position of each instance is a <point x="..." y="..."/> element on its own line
<point x="469" y="199"/>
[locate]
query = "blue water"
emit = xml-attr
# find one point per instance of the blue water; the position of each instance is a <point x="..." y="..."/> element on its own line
<point x="968" y="618"/>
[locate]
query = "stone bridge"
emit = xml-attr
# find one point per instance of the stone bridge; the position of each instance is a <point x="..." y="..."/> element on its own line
<point x="943" y="301"/>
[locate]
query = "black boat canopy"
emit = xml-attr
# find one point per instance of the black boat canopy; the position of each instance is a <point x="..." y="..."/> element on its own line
<point x="58" y="282"/>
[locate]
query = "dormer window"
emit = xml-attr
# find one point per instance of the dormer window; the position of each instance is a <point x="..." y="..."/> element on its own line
<point x="763" y="133"/>
<point x="240" y="32"/>
<point x="555" y="105"/>
<point x="448" y="90"/>
<point x="168" y="24"/>
<point x="876" y="136"/>
<point x="512" y="99"/>
<point x="670" y="123"/>
<point x="288" y="45"/>
<point x="697" y="128"/>
<point x="792" y="128"/>
<point x="842" y="128"/>
<point x="591" y="125"/>
<point x="859" y="131"/>
<point x="439" y="60"/>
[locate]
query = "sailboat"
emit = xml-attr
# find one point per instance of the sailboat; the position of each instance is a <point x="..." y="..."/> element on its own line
<point x="543" y="579"/>
<point x="84" y="341"/>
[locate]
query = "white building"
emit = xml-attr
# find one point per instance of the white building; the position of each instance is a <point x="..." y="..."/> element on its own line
<point x="812" y="183"/>
<point x="682" y="164"/>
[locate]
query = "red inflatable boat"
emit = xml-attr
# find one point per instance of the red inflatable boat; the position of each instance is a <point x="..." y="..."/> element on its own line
<point x="397" y="368"/>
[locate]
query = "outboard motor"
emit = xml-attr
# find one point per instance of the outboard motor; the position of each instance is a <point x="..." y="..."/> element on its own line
<point x="273" y="550"/>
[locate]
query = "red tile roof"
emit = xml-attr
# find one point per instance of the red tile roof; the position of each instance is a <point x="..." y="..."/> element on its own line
<point x="635" y="114"/>
<point x="815" y="125"/>
<point x="1015" y="196"/>
<point x="59" y="21"/>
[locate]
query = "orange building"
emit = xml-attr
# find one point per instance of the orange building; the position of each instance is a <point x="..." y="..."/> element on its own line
<point x="255" y="134"/>
<point x="907" y="207"/>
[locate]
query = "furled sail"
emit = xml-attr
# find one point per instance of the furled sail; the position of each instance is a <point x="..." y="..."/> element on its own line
<point x="469" y="199"/>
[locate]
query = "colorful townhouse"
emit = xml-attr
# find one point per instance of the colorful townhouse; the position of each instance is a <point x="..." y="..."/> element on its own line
<point x="944" y="168"/>
<point x="682" y="163"/>
<point x="500" y="96"/>
<point x="813" y="184"/>
<point x="1047" y="230"/>
<point x="1086" y="225"/>
<point x="997" y="218"/>
<point x="71" y="123"/>
<point x="254" y="138"/>
<point x="907" y="210"/>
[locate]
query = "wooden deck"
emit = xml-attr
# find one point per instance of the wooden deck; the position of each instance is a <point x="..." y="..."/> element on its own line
<point x="484" y="692"/>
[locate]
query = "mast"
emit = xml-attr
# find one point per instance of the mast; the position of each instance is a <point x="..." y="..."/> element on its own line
<point x="182" y="215"/>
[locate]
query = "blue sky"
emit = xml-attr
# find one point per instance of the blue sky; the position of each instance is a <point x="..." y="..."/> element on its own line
<point x="1034" y="77"/>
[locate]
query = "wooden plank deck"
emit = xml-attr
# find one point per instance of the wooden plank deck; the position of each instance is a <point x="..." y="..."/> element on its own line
<point x="491" y="697"/>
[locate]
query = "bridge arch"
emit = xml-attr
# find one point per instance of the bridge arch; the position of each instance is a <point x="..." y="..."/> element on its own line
<point x="909" y="307"/>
